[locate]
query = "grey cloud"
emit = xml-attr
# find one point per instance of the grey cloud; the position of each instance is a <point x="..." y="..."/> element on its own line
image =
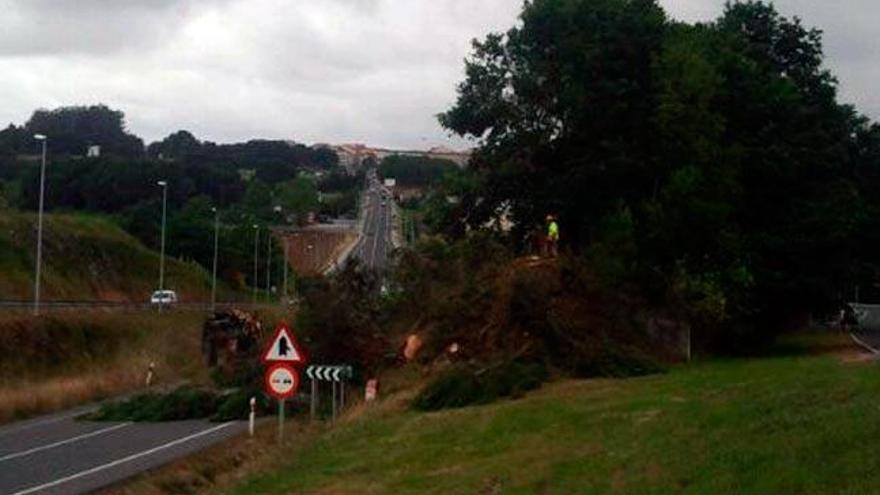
<point x="312" y="70"/>
<point x="56" y="27"/>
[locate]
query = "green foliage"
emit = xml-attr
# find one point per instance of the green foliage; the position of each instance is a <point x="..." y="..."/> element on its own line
<point x="72" y="130"/>
<point x="298" y="196"/>
<point x="709" y="164"/>
<point x="416" y="170"/>
<point x="87" y="257"/>
<point x="183" y="403"/>
<point x="339" y="318"/>
<point x="462" y="386"/>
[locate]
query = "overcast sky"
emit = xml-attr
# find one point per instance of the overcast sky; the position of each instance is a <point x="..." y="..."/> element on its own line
<point x="374" y="71"/>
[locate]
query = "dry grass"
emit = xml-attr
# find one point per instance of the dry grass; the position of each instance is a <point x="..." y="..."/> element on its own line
<point x="56" y="362"/>
<point x="66" y="359"/>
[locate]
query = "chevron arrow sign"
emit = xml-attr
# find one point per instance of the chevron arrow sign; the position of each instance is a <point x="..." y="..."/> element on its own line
<point x="328" y="373"/>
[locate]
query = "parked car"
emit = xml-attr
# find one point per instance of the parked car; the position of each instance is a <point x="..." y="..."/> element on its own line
<point x="163" y="297"/>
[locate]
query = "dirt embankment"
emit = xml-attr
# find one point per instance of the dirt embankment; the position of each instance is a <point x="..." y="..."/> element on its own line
<point x="311" y="251"/>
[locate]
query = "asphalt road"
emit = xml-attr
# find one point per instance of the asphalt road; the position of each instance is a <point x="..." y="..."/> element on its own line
<point x="375" y="245"/>
<point x="57" y="454"/>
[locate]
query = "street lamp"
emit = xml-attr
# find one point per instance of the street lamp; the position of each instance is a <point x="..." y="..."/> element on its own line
<point x="277" y="209"/>
<point x="42" y="138"/>
<point x="164" y="185"/>
<point x="269" y="265"/>
<point x="256" y="247"/>
<point x="216" y="245"/>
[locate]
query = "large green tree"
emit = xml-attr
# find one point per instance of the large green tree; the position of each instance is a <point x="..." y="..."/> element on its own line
<point x="717" y="153"/>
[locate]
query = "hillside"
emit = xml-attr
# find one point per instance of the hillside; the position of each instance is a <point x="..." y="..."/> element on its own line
<point x="795" y="423"/>
<point x="87" y="258"/>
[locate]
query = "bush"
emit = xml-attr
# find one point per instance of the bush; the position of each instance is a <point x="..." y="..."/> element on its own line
<point x="237" y="405"/>
<point x="183" y="403"/>
<point x="462" y="386"/>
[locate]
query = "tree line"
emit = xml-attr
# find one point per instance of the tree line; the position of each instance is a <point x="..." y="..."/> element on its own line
<point x="261" y="182"/>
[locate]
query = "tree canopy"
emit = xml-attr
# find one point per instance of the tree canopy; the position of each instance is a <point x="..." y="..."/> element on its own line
<point x="712" y="160"/>
<point x="415" y="170"/>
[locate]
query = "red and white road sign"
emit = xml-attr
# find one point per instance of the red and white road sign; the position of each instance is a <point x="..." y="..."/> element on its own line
<point x="281" y="381"/>
<point x="283" y="348"/>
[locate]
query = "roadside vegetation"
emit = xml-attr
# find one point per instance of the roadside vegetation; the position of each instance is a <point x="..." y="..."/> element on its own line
<point x="259" y="182"/>
<point x="792" y="421"/>
<point x="71" y="358"/>
<point x="88" y="257"/>
<point x="788" y="424"/>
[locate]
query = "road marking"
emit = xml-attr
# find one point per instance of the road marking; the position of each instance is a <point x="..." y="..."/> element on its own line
<point x="63" y="442"/>
<point x="117" y="462"/>
<point x="56" y="419"/>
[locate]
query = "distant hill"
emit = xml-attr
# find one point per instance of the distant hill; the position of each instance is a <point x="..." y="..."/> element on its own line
<point x="86" y="258"/>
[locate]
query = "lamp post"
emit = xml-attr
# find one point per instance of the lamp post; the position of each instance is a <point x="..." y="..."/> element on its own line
<point x="164" y="185"/>
<point x="42" y="138"/>
<point x="268" y="264"/>
<point x="280" y="211"/>
<point x="256" y="247"/>
<point x="216" y="246"/>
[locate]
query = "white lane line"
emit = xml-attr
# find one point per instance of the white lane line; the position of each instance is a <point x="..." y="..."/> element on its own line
<point x="62" y="442"/>
<point x="117" y="462"/>
<point x="15" y="429"/>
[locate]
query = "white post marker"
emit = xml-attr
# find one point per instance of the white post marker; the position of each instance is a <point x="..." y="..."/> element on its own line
<point x="150" y="369"/>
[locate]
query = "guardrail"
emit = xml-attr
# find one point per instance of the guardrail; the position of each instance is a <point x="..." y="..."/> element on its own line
<point x="126" y="306"/>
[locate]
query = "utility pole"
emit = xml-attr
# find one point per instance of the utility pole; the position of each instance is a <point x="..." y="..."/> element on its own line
<point x="269" y="266"/>
<point x="38" y="269"/>
<point x="216" y="248"/>
<point x="286" y="247"/>
<point x="164" y="185"/>
<point x="256" y="247"/>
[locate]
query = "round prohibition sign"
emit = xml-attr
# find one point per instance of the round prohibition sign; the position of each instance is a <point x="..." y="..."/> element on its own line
<point x="281" y="381"/>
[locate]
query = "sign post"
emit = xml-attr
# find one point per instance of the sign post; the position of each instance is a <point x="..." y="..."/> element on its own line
<point x="337" y="375"/>
<point x="281" y="421"/>
<point x="281" y="382"/>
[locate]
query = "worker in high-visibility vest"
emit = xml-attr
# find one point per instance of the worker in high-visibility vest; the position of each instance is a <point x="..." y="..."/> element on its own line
<point x="552" y="236"/>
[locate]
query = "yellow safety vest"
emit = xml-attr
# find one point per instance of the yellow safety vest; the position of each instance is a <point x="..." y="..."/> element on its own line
<point x="553" y="231"/>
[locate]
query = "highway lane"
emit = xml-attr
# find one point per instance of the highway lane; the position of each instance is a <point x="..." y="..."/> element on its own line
<point x="375" y="246"/>
<point x="57" y="454"/>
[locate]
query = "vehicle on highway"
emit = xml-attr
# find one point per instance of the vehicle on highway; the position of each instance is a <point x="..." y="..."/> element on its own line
<point x="163" y="297"/>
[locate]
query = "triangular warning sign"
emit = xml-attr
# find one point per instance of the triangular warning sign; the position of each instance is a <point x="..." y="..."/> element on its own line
<point x="283" y="348"/>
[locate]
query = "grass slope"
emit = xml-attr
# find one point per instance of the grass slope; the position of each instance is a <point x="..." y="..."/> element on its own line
<point x="87" y="257"/>
<point x="791" y="424"/>
<point x="66" y="359"/>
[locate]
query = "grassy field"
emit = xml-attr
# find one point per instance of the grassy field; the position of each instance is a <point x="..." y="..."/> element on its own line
<point x="87" y="257"/>
<point x="785" y="424"/>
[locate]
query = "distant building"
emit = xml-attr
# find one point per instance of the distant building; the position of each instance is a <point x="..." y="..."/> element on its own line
<point x="353" y="155"/>
<point x="93" y="151"/>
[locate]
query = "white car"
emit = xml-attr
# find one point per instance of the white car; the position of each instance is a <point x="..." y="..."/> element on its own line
<point x="163" y="297"/>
